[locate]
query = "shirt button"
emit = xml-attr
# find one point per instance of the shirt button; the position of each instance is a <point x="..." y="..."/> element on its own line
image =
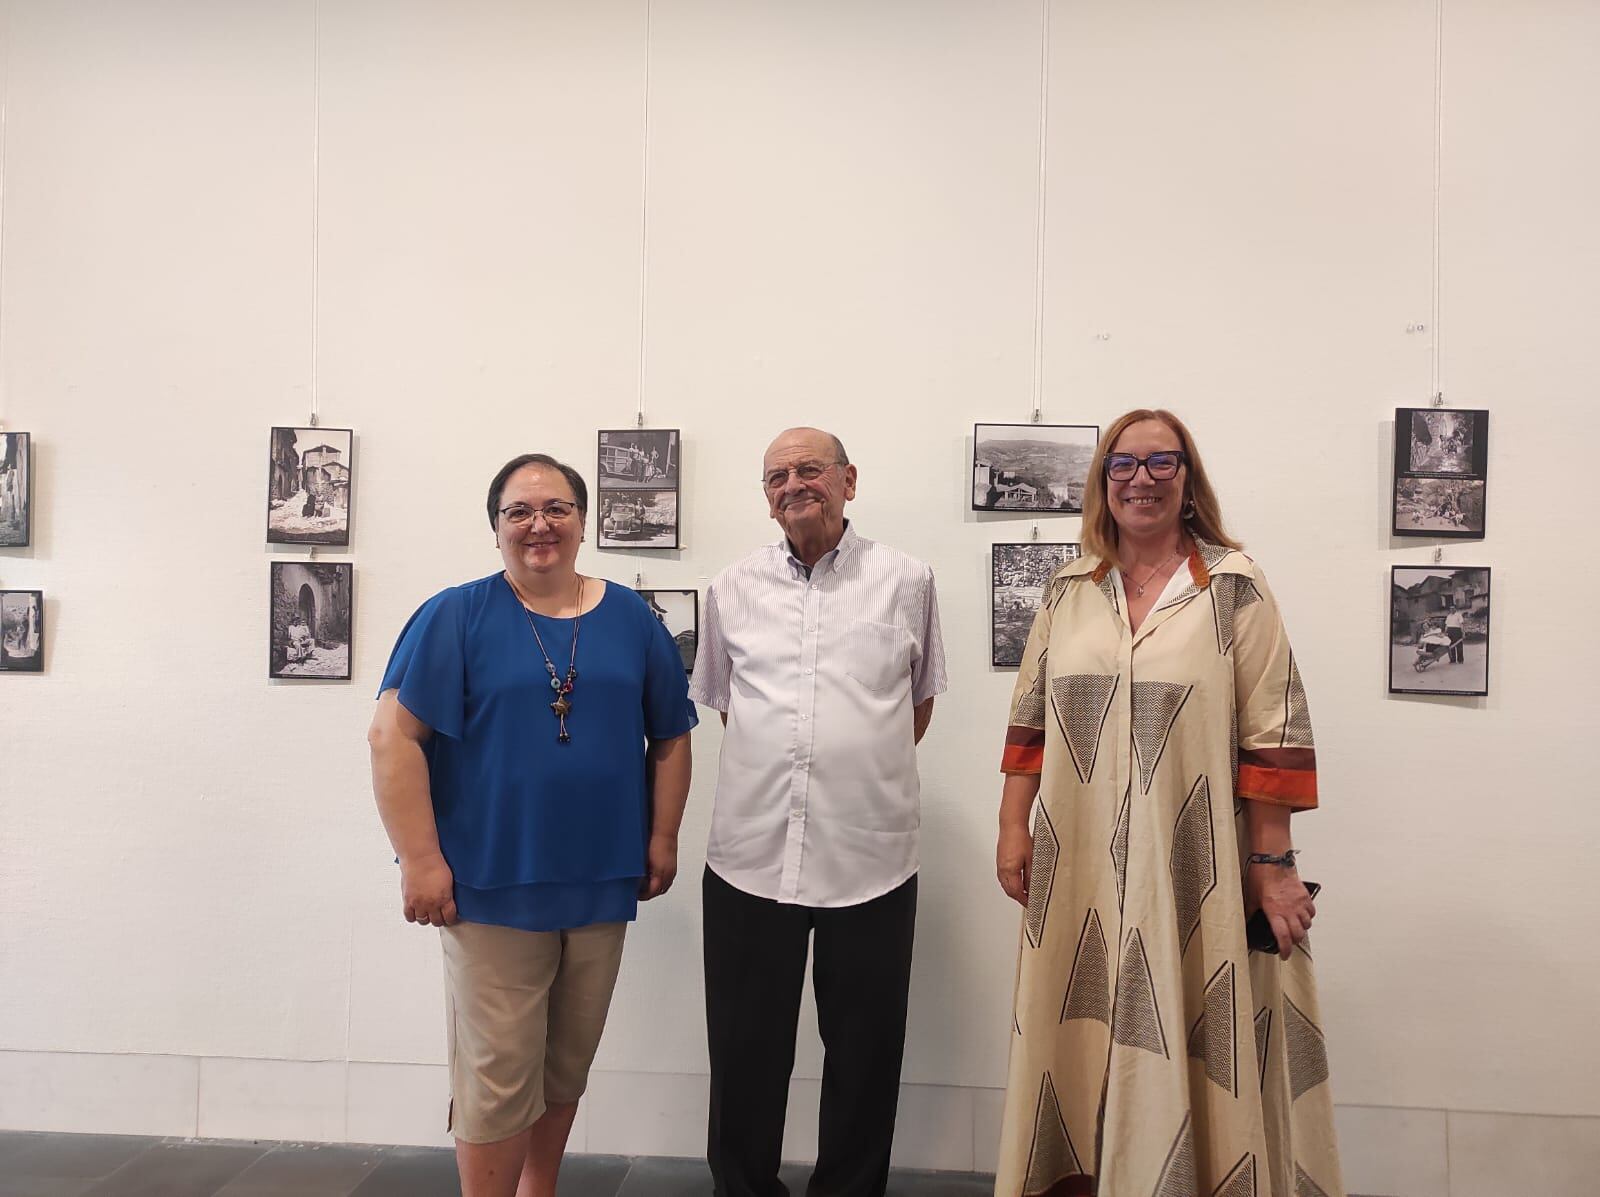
<point x="808" y="673"/>
<point x="814" y="586"/>
<point x="803" y="718"/>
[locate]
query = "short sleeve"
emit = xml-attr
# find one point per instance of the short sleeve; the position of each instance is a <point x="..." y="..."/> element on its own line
<point x="928" y="673"/>
<point x="427" y="665"/>
<point x="1024" y="750"/>
<point x="668" y="713"/>
<point x="1277" y="753"/>
<point x="713" y="669"/>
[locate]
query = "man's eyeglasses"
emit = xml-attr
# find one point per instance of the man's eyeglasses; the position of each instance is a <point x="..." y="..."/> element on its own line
<point x="556" y="511"/>
<point x="806" y="471"/>
<point x="1121" y="467"/>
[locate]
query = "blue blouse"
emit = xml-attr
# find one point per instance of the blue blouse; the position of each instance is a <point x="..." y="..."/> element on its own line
<point x="540" y="835"/>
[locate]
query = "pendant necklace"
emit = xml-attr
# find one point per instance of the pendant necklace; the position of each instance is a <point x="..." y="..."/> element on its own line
<point x="562" y="687"/>
<point x="1139" y="589"/>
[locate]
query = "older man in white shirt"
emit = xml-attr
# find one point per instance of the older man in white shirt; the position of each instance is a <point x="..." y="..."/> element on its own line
<point x="822" y="653"/>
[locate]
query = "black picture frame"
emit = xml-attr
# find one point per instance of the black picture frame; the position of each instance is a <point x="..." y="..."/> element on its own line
<point x="638" y="459"/>
<point x="22" y="639"/>
<point x="16" y="490"/>
<point x="671" y="607"/>
<point x="1018" y="574"/>
<point x="322" y="595"/>
<point x="637" y="519"/>
<point x="1441" y="473"/>
<point x="310" y="485"/>
<point x="1422" y="657"/>
<point x="1031" y="468"/>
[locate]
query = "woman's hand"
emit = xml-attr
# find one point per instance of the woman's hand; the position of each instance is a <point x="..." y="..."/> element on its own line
<point x="427" y="889"/>
<point x="1279" y="892"/>
<point x="661" y="867"/>
<point x="1013" y="860"/>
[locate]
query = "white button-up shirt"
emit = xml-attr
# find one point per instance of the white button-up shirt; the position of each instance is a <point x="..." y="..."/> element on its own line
<point x="818" y="801"/>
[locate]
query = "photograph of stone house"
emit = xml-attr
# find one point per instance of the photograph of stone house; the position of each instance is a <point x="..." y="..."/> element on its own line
<point x="311" y="622"/>
<point x="308" y="486"/>
<point x="1438" y="630"/>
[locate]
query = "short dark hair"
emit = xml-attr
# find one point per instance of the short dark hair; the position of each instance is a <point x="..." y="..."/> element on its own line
<point x="838" y="449"/>
<point x="580" y="491"/>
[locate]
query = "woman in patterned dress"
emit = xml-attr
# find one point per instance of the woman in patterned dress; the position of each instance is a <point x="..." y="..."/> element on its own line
<point x="1159" y="719"/>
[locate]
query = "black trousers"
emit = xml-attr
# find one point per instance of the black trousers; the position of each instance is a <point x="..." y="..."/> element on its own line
<point x="755" y="971"/>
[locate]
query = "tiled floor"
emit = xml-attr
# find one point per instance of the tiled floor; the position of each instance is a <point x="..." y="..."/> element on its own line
<point x="40" y="1165"/>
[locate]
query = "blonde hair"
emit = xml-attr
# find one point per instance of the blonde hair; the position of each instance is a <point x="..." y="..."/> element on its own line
<point x="1205" y="521"/>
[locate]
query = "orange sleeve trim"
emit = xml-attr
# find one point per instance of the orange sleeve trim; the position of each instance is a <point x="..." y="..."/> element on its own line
<point x="1294" y="788"/>
<point x="1022" y="758"/>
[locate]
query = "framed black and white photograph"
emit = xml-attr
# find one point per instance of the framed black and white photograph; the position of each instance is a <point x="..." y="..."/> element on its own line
<point x="638" y="519"/>
<point x="1441" y="462"/>
<point x="308" y="486"/>
<point x="638" y="458"/>
<point x="311" y="620"/>
<point x="1020" y="573"/>
<point x="679" y="613"/>
<point x="1439" y="630"/>
<point x="1031" y="467"/>
<point x="16" y="490"/>
<point x="21" y="631"/>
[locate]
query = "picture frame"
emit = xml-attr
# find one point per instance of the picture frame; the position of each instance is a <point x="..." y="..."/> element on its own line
<point x="310" y="483"/>
<point x="638" y="459"/>
<point x="1439" y="629"/>
<point x="1019" y="571"/>
<point x="637" y="519"/>
<point x="22" y="640"/>
<point x="1441" y="473"/>
<point x="311" y="620"/>
<point x="679" y="613"/>
<point x="1031" y="468"/>
<point x="16" y="490"/>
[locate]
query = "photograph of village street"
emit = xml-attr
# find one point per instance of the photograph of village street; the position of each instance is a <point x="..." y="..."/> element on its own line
<point x="1020" y="572"/>
<point x="1438" y="630"/>
<point x="308" y="487"/>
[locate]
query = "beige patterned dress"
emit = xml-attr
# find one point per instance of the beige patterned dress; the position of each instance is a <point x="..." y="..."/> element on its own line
<point x="1152" y="1055"/>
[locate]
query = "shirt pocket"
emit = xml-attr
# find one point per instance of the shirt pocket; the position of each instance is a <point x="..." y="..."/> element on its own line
<point x="877" y="655"/>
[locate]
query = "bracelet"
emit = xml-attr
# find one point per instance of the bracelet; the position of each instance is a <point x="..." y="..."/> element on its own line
<point x="1286" y="860"/>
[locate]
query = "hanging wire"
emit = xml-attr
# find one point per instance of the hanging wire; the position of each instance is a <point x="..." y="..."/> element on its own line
<point x="1039" y="220"/>
<point x="1435" y="387"/>
<point x="5" y="88"/>
<point x="316" y="192"/>
<point x="644" y="215"/>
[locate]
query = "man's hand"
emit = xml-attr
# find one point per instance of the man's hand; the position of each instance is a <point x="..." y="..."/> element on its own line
<point x="661" y="867"/>
<point x="427" y="890"/>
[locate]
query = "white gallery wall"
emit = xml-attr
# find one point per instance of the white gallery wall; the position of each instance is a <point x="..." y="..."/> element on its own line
<point x="476" y="229"/>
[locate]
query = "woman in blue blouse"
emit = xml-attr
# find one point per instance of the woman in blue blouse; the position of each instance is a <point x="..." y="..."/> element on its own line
<point x="530" y="758"/>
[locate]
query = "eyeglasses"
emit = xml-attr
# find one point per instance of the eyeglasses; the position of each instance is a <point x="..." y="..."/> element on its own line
<point x="1121" y="467"/>
<point x="806" y="471"/>
<point x="556" y="511"/>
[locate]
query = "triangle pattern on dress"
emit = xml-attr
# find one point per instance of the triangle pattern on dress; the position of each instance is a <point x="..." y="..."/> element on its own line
<point x="1304" y="1186"/>
<point x="1241" y="1182"/>
<point x="1155" y="709"/>
<point x="1082" y="702"/>
<point x="1308" y="1051"/>
<point x="1109" y="589"/>
<point x="1230" y="593"/>
<point x="1194" y="859"/>
<point x="1089" y="986"/>
<point x="1296" y="711"/>
<point x="1119" y="847"/>
<point x="1136" y="1020"/>
<point x="1263" y="1037"/>
<point x="1041" y="874"/>
<point x="1177" y="1175"/>
<point x="1212" y="1038"/>
<point x="1052" y="1156"/>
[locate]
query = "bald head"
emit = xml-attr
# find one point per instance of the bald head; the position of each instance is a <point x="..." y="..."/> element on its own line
<point x="817" y="480"/>
<point x="813" y="438"/>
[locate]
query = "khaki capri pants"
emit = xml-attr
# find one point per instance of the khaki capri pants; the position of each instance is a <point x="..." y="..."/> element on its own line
<point x="525" y="1011"/>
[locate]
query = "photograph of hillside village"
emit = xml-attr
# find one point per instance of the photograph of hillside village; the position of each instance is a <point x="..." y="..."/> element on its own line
<point x="1031" y="467"/>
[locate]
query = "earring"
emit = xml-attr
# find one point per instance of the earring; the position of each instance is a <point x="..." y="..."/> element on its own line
<point x="1188" y="510"/>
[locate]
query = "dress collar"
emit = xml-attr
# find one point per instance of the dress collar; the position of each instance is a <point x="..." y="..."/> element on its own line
<point x="833" y="558"/>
